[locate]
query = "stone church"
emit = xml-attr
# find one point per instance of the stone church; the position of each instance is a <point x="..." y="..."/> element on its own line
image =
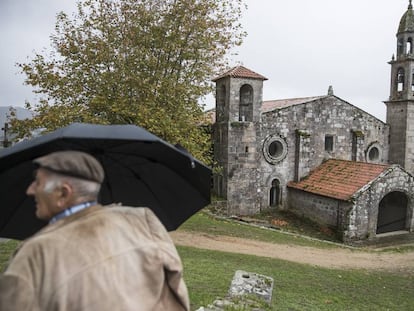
<point x="320" y="156"/>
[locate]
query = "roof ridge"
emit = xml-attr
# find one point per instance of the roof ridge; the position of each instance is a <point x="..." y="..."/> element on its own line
<point x="240" y="72"/>
<point x="294" y="98"/>
<point x="270" y="105"/>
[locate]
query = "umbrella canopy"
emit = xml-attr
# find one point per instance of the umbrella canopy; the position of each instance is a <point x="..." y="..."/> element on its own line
<point x="140" y="170"/>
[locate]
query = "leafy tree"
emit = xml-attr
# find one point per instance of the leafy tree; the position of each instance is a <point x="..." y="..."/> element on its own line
<point x="144" y="62"/>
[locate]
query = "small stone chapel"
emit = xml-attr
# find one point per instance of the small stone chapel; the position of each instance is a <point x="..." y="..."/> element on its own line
<point x="320" y="156"/>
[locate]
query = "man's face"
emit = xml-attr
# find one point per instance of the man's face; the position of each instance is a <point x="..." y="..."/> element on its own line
<point x="46" y="201"/>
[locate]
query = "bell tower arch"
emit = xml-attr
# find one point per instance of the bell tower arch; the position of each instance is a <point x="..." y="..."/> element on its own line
<point x="400" y="106"/>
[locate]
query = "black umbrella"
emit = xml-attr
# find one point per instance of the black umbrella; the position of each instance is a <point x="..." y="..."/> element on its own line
<point x="140" y="170"/>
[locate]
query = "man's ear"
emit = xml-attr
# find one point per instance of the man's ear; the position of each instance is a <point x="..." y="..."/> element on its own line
<point x="65" y="194"/>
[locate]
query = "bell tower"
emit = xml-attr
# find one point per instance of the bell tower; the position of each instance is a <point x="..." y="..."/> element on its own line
<point x="238" y="106"/>
<point x="400" y="106"/>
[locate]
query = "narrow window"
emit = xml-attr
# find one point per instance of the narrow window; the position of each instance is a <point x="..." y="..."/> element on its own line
<point x="328" y="143"/>
<point x="412" y="82"/>
<point x="354" y="148"/>
<point x="373" y="154"/>
<point x="275" y="197"/>
<point x="246" y="103"/>
<point x="400" y="80"/>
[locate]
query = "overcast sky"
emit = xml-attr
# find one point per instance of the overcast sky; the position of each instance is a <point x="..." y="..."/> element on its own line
<point x="301" y="46"/>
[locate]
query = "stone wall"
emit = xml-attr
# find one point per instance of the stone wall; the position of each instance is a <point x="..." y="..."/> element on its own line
<point x="323" y="210"/>
<point x="410" y="139"/>
<point x="313" y="120"/>
<point x="235" y="146"/>
<point x="397" y="132"/>
<point x="242" y="177"/>
<point x="363" y="217"/>
<point x="400" y="116"/>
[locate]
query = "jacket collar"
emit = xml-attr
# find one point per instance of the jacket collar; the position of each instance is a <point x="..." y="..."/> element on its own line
<point x="69" y="219"/>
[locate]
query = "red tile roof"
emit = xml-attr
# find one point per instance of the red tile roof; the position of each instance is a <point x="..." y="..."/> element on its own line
<point x="240" y="72"/>
<point x="269" y="105"/>
<point x="339" y="179"/>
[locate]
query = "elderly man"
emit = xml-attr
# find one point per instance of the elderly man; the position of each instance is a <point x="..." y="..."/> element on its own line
<point x="90" y="257"/>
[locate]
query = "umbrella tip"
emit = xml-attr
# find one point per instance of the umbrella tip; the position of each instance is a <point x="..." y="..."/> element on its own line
<point x="181" y="148"/>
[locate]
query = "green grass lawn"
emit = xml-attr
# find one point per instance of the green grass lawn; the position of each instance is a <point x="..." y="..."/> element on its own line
<point x="203" y="222"/>
<point x="295" y="234"/>
<point x="6" y="250"/>
<point x="208" y="275"/>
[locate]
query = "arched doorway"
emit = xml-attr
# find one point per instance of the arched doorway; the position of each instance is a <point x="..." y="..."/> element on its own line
<point x="392" y="212"/>
<point x="275" y="197"/>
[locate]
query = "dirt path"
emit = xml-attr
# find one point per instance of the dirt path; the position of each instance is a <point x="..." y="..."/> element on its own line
<point x="328" y="258"/>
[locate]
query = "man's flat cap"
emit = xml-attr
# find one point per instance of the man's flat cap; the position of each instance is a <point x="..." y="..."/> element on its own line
<point x="72" y="163"/>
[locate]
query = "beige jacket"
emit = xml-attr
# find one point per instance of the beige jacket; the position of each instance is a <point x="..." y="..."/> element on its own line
<point x="101" y="258"/>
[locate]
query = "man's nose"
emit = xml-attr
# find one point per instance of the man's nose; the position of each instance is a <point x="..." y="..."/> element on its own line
<point x="29" y="190"/>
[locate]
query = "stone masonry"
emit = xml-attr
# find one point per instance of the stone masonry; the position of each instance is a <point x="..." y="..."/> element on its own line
<point x="262" y="146"/>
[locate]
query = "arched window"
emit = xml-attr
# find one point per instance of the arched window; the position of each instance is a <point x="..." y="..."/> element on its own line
<point x="409" y="46"/>
<point x="373" y="154"/>
<point x="246" y="103"/>
<point x="275" y="193"/>
<point x="400" y="80"/>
